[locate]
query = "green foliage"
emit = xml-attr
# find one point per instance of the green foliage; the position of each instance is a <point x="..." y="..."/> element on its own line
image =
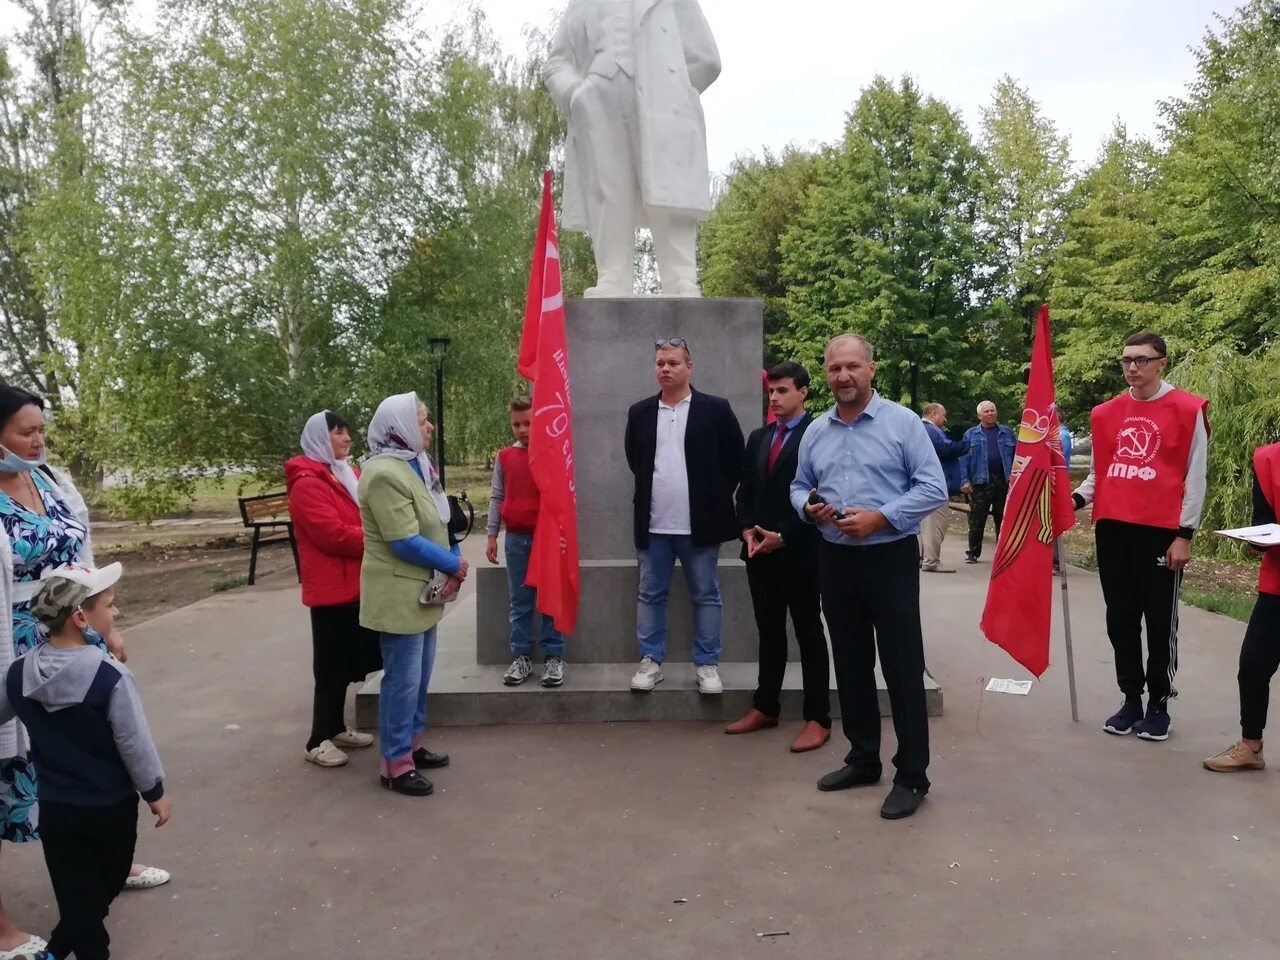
<point x="1244" y="413"/>
<point x="887" y="244"/>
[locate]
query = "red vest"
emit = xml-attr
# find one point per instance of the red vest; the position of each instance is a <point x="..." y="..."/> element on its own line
<point x="520" y="498"/>
<point x="1140" y="455"/>
<point x="1266" y="461"/>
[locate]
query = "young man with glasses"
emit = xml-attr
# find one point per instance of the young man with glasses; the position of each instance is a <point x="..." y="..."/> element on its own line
<point x="685" y="450"/>
<point x="1147" y="484"/>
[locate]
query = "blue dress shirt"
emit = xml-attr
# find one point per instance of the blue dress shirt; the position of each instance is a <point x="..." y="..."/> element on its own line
<point x="882" y="461"/>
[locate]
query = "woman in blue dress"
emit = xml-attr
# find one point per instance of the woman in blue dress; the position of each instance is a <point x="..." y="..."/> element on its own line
<point x="45" y="525"/>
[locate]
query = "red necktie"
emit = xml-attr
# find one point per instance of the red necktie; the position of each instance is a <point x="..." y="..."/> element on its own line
<point x="776" y="449"/>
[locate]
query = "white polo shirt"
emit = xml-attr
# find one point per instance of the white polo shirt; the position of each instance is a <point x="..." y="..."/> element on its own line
<point x="669" y="505"/>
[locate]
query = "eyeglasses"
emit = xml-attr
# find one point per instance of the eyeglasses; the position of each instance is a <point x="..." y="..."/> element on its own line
<point x="1139" y="362"/>
<point x="671" y="342"/>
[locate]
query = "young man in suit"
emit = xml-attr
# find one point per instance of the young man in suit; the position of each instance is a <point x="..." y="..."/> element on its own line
<point x="685" y="449"/>
<point x="781" y="552"/>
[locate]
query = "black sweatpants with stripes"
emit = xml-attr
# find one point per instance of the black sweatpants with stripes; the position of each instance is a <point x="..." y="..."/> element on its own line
<point x="1138" y="587"/>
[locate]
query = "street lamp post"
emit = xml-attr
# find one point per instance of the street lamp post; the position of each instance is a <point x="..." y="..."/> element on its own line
<point x="438" y="347"/>
<point x="916" y="342"/>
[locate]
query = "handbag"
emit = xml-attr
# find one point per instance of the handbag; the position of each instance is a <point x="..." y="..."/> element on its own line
<point x="462" y="517"/>
<point x="433" y="591"/>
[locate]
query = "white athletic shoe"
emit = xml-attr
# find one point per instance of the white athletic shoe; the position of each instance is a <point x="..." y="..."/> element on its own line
<point x="709" y="680"/>
<point x="648" y="675"/>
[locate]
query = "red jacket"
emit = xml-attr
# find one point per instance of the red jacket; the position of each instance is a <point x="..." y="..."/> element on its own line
<point x="326" y="522"/>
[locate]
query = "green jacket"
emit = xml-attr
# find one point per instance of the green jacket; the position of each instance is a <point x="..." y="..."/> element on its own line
<point x="394" y="505"/>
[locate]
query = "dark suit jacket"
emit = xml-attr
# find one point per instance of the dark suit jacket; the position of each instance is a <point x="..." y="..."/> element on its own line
<point x="764" y="496"/>
<point x="713" y="460"/>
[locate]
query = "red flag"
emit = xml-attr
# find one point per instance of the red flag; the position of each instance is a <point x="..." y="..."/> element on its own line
<point x="553" y="559"/>
<point x="526" y="361"/>
<point x="1037" y="512"/>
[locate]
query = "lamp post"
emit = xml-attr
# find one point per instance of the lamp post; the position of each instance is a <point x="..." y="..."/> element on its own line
<point x="915" y="344"/>
<point x="437" y="347"/>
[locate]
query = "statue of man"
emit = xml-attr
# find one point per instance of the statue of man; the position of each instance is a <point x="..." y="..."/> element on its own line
<point x="627" y="74"/>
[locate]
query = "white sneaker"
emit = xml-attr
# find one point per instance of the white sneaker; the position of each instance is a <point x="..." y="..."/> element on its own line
<point x="353" y="738"/>
<point x="326" y="755"/>
<point x="648" y="676"/>
<point x="709" y="680"/>
<point x="518" y="672"/>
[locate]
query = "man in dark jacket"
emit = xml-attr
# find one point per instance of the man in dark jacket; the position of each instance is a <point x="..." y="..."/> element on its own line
<point x="934" y="528"/>
<point x="685" y="449"/>
<point x="781" y="551"/>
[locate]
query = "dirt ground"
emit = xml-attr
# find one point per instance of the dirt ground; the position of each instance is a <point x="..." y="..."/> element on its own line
<point x="165" y="570"/>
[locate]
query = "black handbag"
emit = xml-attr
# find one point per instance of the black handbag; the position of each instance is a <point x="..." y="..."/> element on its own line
<point x="462" y="517"/>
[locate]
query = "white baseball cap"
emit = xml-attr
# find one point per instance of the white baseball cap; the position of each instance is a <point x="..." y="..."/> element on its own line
<point x="64" y="589"/>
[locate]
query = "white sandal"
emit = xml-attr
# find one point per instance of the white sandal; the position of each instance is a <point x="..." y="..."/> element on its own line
<point x="326" y="755"/>
<point x="24" y="951"/>
<point x="147" y="878"/>
<point x="353" y="738"/>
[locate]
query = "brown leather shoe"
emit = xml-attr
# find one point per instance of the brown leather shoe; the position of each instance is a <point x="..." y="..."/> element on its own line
<point x="811" y="737"/>
<point x="753" y="721"/>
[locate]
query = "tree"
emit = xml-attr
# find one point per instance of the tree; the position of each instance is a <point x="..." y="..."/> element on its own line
<point x="1024" y="207"/>
<point x="739" y="243"/>
<point x="887" y="245"/>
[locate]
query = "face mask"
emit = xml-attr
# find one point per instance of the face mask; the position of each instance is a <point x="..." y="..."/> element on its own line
<point x="93" y="638"/>
<point x="12" y="463"/>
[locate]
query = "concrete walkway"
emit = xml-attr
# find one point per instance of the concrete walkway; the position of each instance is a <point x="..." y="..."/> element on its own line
<point x="1041" y="838"/>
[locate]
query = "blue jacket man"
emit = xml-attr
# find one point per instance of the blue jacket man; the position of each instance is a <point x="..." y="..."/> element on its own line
<point x="951" y="453"/>
<point x="985" y="472"/>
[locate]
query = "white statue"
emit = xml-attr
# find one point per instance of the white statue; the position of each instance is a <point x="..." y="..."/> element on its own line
<point x="627" y="74"/>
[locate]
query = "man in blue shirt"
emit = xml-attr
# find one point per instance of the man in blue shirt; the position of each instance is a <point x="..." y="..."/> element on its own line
<point x="933" y="530"/>
<point x="872" y="476"/>
<point x="985" y="473"/>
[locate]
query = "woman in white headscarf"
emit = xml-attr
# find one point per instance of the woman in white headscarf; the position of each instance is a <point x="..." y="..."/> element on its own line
<point x="326" y="521"/>
<point x="406" y="544"/>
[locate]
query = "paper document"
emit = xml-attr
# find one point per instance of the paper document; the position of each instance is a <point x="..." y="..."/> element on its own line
<point x="1020" y="687"/>
<point x="1264" y="535"/>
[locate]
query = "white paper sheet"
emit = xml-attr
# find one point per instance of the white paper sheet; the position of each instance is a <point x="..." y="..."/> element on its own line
<point x="1263" y="535"/>
<point x="1019" y="687"/>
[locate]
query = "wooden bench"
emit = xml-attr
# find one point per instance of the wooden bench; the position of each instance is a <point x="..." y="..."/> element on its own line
<point x="269" y="512"/>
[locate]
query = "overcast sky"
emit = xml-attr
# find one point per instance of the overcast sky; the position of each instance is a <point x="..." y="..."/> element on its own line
<point x="792" y="69"/>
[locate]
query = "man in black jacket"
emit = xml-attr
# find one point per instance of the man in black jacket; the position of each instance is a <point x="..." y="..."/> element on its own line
<point x="685" y="449"/>
<point x="781" y="552"/>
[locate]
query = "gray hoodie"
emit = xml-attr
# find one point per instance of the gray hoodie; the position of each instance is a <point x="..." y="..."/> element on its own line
<point x="54" y="679"/>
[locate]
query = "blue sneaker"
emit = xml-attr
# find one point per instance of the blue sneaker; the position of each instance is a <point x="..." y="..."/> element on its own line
<point x="1154" y="726"/>
<point x="1124" y="721"/>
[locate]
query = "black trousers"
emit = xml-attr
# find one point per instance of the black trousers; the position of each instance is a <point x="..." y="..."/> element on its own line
<point x="342" y="653"/>
<point x="871" y="596"/>
<point x="987" y="498"/>
<point x="1259" y="660"/>
<point x="780" y="583"/>
<point x="1138" y="587"/>
<point x="88" y="851"/>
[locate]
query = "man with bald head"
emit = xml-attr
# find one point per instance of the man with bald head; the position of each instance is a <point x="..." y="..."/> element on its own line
<point x="867" y="476"/>
<point x="984" y="474"/>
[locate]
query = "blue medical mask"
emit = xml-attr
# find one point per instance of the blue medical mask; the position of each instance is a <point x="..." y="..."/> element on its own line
<point x="12" y="463"/>
<point x="93" y="638"/>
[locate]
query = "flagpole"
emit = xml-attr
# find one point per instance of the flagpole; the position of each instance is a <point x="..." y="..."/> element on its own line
<point x="1066" y="627"/>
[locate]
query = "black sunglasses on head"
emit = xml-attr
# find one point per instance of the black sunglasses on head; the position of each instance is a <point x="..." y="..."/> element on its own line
<point x="671" y="342"/>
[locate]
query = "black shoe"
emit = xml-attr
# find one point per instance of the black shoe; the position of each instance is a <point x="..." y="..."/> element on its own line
<point x="412" y="784"/>
<point x="902" y="802"/>
<point x="424" y="759"/>
<point x="846" y="777"/>
<point x="1123" y="720"/>
<point x="970" y="558"/>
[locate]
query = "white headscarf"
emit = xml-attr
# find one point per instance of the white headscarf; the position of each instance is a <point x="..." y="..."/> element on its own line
<point x="318" y="446"/>
<point x="394" y="432"/>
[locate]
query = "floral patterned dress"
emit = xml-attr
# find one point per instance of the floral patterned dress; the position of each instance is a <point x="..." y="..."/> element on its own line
<point x="38" y="543"/>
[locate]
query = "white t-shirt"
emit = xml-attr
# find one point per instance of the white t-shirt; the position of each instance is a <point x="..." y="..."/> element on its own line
<point x="669" y="505"/>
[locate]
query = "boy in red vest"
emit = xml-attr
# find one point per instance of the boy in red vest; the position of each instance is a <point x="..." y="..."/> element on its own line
<point x="513" y="503"/>
<point x="1260" y="652"/>
<point x="1147" y="484"/>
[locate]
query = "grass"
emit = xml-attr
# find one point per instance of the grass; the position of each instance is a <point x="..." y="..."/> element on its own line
<point x="1228" y="602"/>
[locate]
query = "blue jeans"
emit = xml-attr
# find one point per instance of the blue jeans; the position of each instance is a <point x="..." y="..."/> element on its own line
<point x="518" y="546"/>
<point x="657" y="564"/>
<point x="402" y="700"/>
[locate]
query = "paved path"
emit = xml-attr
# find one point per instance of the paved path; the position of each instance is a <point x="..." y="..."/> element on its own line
<point x="1041" y="839"/>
